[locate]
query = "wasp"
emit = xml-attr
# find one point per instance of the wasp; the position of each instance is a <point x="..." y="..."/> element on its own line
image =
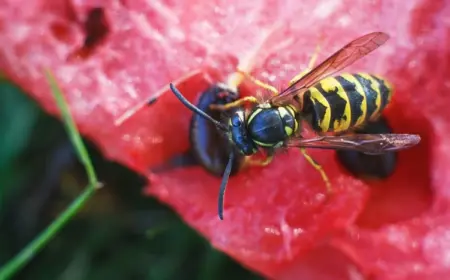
<point x="328" y="103"/>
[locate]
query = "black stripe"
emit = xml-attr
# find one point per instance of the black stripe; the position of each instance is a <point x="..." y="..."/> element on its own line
<point x="314" y="111"/>
<point x="371" y="95"/>
<point x="384" y="90"/>
<point x="337" y="104"/>
<point x="354" y="98"/>
<point x="289" y="120"/>
<point x="298" y="100"/>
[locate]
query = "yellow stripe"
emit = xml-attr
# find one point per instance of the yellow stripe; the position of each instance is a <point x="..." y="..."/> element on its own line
<point x="264" y="144"/>
<point x="343" y="124"/>
<point x="293" y="111"/>
<point x="317" y="97"/>
<point x="283" y="112"/>
<point x="288" y="130"/>
<point x="361" y="91"/>
<point x="389" y="86"/>
<point x="376" y="87"/>
<point x="391" y="90"/>
<point x="253" y="115"/>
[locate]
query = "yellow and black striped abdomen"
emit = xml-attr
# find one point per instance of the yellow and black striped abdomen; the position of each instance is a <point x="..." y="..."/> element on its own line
<point x="342" y="102"/>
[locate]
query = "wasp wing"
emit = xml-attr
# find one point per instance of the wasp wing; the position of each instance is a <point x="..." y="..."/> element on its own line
<point x="344" y="57"/>
<point x="365" y="143"/>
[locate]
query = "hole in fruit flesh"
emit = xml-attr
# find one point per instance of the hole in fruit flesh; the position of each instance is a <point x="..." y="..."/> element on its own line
<point x="407" y="192"/>
<point x="96" y="29"/>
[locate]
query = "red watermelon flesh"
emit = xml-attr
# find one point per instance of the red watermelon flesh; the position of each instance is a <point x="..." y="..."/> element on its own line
<point x="279" y="220"/>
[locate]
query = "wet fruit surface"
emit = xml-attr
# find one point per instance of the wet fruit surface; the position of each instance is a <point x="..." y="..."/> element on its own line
<point x="274" y="216"/>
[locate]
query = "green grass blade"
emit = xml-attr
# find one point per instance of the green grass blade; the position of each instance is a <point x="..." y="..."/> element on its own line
<point x="24" y="256"/>
<point x="72" y="130"/>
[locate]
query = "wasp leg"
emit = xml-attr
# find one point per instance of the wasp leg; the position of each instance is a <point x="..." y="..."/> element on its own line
<point x="258" y="82"/>
<point x="319" y="168"/>
<point x="311" y="63"/>
<point x="259" y="162"/>
<point x="233" y="104"/>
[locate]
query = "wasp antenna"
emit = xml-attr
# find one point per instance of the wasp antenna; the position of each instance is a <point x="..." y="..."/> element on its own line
<point x="223" y="185"/>
<point x="195" y="109"/>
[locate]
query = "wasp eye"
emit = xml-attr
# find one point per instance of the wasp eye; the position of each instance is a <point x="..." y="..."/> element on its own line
<point x="236" y="121"/>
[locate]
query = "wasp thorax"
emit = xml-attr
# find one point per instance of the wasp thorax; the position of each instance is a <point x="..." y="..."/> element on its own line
<point x="271" y="127"/>
<point x="239" y="134"/>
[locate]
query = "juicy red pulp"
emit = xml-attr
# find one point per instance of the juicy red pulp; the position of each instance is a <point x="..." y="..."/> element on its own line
<point x="275" y="215"/>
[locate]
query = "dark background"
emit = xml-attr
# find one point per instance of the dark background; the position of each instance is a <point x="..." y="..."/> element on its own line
<point x="119" y="234"/>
